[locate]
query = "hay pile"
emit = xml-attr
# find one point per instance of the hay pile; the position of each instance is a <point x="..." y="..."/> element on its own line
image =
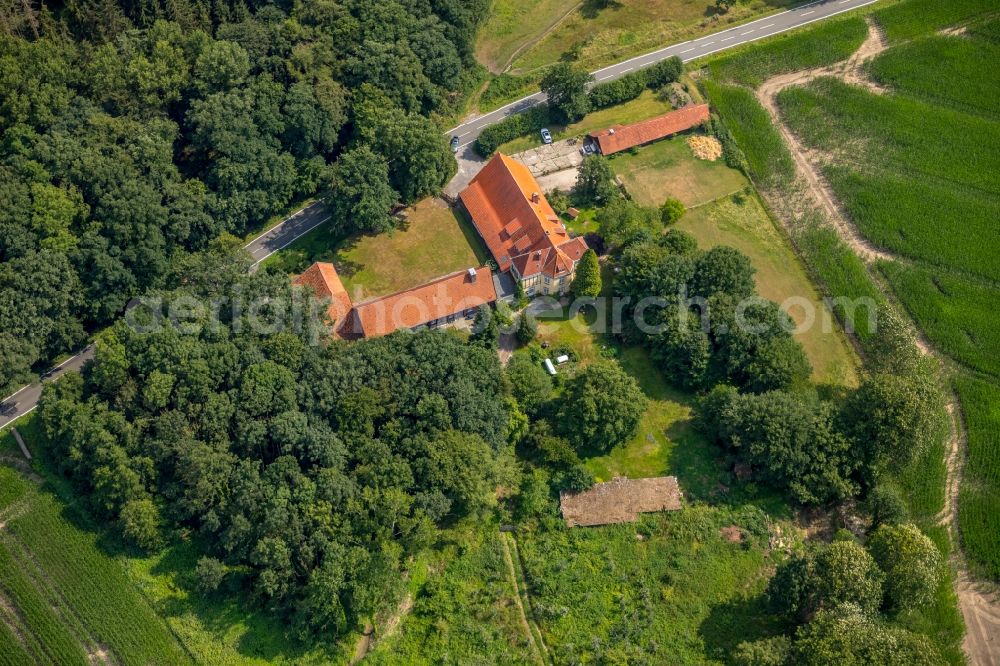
<point x="705" y="147"/>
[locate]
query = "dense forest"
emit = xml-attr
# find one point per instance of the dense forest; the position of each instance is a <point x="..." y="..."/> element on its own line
<point x="304" y="473"/>
<point x="132" y="134"/>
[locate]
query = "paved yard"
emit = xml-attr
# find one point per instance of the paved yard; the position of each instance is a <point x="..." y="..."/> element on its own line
<point x="557" y="156"/>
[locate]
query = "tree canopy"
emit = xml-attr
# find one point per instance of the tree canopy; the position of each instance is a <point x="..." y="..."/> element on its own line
<point x="310" y="472"/>
<point x="134" y="134"/>
<point x="601" y="408"/>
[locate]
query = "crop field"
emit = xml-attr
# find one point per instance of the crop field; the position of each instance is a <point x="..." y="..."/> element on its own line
<point x="825" y="44"/>
<point x="768" y="157"/>
<point x="923" y="219"/>
<point x="979" y="502"/>
<point x="669" y="169"/>
<point x="896" y="134"/>
<point x="924" y="181"/>
<point x="838" y="271"/>
<point x="742" y="222"/>
<point x="930" y="67"/>
<point x="465" y="613"/>
<point x="66" y="601"/>
<point x="959" y="316"/>
<point x="918" y="17"/>
<point x="988" y="30"/>
<point x="667" y="589"/>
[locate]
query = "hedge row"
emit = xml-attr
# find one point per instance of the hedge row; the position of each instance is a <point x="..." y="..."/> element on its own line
<point x="631" y="85"/>
<point x="602" y="96"/>
<point x="508" y="129"/>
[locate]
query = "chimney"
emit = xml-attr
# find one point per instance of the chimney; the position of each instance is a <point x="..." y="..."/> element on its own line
<point x="611" y="131"/>
<point x="535" y="197"/>
<point x="472" y="275"/>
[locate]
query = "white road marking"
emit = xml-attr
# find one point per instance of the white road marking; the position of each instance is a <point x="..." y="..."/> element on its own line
<point x="15" y="393"/>
<point x="790" y="27"/>
<point x="809" y="12"/>
<point x="690" y="49"/>
<point x="746" y="33"/>
<point x="297" y="236"/>
<point x="727" y="38"/>
<point x="707" y="43"/>
<point x="767" y="26"/>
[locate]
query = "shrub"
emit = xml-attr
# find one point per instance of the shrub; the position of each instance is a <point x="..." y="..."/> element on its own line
<point x="520" y="124"/>
<point x="620" y="90"/>
<point x="527" y="328"/>
<point x="671" y="211"/>
<point x="664" y="72"/>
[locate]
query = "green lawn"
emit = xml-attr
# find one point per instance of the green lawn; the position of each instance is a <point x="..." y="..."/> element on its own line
<point x="742" y="222"/>
<point x="669" y="169"/>
<point x="433" y="240"/>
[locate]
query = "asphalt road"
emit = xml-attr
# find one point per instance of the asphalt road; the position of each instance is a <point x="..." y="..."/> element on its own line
<point x="686" y="51"/>
<point x="25" y="400"/>
<point x="285" y="233"/>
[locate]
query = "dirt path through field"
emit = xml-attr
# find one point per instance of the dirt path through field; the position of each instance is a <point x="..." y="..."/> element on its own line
<point x="978" y="602"/>
<point x="537" y="646"/>
<point x="805" y="161"/>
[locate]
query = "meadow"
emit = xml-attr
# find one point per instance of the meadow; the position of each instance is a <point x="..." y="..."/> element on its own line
<point x="74" y="601"/>
<point x="465" y="613"/>
<point x="906" y="20"/>
<point x="768" y="158"/>
<point x="596" y="35"/>
<point x="667" y="589"/>
<point x="979" y="502"/>
<point x="432" y="240"/>
<point x="825" y="44"/>
<point x="742" y="222"/>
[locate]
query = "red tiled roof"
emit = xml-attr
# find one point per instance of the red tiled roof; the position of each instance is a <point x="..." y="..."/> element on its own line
<point x="443" y="297"/>
<point x="322" y="278"/>
<point x="514" y="218"/>
<point x="623" y="137"/>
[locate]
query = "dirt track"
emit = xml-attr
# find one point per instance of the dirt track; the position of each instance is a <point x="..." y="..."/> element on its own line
<point x="979" y="602"/>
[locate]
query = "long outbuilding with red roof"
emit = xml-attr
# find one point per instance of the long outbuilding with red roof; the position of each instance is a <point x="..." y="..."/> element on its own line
<point x="622" y="137"/>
